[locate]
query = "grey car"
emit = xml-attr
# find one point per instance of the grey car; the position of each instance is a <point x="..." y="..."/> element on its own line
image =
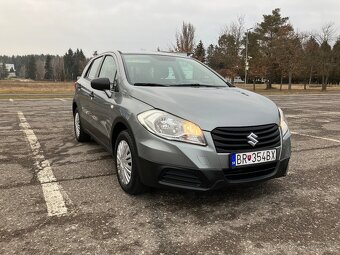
<point x="171" y="121"/>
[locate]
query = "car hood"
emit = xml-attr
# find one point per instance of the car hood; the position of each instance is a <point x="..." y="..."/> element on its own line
<point x="211" y="107"/>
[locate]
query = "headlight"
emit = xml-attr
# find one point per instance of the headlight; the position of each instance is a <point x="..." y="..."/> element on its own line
<point x="171" y="127"/>
<point x="283" y="122"/>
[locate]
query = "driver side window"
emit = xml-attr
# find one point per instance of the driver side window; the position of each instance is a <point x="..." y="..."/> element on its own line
<point x="108" y="69"/>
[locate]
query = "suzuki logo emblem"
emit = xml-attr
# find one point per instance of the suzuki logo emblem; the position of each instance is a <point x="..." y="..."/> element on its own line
<point x="252" y="139"/>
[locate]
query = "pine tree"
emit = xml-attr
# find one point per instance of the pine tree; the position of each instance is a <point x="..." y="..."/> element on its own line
<point x="48" y="68"/>
<point x="199" y="52"/>
<point x="68" y="64"/>
<point x="74" y="63"/>
<point x="3" y="71"/>
<point x="311" y="51"/>
<point x="336" y="60"/>
<point x="210" y="56"/>
<point x="270" y="31"/>
<point x="79" y="62"/>
<point x="230" y="59"/>
<point x="325" y="63"/>
<point x="31" y="68"/>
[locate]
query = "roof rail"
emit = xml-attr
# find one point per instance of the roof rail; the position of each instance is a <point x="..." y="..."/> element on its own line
<point x="187" y="54"/>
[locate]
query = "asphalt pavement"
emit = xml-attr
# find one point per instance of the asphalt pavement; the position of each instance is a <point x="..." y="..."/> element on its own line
<point x="61" y="197"/>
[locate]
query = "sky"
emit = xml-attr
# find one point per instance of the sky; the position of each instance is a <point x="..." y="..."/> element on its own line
<point x="54" y="26"/>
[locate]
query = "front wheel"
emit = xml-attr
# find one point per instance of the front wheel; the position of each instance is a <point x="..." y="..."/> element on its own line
<point x="125" y="157"/>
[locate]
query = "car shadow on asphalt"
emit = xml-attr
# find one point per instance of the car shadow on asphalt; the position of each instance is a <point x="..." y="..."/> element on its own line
<point x="235" y="194"/>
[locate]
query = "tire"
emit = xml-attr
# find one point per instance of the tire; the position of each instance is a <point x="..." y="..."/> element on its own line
<point x="125" y="159"/>
<point x="79" y="133"/>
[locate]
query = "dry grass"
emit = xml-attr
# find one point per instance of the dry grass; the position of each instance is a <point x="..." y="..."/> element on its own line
<point x="296" y="88"/>
<point x="35" y="87"/>
<point x="40" y="89"/>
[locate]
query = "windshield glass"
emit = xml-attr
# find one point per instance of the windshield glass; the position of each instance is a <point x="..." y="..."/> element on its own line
<point x="158" y="70"/>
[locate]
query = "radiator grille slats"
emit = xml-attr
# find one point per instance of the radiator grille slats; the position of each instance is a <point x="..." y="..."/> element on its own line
<point x="234" y="139"/>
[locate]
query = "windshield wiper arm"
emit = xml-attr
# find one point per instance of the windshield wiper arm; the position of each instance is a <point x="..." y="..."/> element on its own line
<point x="150" y="84"/>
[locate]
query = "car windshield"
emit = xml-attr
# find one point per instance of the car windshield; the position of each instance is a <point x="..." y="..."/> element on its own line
<point x="160" y="70"/>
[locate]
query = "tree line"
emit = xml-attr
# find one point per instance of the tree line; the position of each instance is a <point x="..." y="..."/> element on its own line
<point x="270" y="52"/>
<point x="46" y="67"/>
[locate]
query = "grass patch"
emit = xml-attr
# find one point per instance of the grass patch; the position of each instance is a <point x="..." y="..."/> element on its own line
<point x="35" y="87"/>
<point x="17" y="89"/>
<point x="296" y="88"/>
<point x="34" y="96"/>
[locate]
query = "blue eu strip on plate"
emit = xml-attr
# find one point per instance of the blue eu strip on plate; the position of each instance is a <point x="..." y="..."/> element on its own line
<point x="233" y="159"/>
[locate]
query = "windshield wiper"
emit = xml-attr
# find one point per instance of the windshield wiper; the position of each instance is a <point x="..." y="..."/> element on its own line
<point x="150" y="84"/>
<point x="195" y="85"/>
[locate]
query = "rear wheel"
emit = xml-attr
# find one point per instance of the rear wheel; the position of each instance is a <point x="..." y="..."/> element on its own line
<point x="80" y="134"/>
<point x="125" y="157"/>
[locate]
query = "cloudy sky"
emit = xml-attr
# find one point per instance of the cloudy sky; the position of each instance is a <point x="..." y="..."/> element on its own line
<point x="53" y="26"/>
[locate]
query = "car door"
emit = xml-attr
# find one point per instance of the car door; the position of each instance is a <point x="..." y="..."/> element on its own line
<point x="86" y="94"/>
<point x="103" y="101"/>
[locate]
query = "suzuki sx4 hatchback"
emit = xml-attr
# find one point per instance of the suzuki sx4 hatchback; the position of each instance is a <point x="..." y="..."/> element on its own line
<point x="169" y="120"/>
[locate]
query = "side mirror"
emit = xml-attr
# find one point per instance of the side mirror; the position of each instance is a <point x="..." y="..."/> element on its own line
<point x="101" y="84"/>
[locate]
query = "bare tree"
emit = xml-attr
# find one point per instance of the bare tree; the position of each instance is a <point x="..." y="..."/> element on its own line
<point x="327" y="33"/>
<point x="40" y="69"/>
<point x="22" y="72"/>
<point x="325" y="38"/>
<point x="58" y="68"/>
<point x="236" y="30"/>
<point x="185" y="39"/>
<point x="289" y="54"/>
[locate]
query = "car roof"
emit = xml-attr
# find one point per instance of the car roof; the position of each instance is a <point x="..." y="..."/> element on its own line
<point x="159" y="53"/>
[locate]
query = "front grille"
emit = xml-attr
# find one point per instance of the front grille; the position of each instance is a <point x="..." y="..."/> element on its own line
<point x="249" y="172"/>
<point x="234" y="139"/>
<point x="182" y="177"/>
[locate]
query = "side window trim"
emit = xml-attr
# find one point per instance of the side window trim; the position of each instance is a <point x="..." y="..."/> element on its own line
<point x="118" y="74"/>
<point x="102" y="63"/>
<point x="89" y="68"/>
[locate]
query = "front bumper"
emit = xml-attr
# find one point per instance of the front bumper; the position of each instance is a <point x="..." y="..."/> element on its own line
<point x="180" y="165"/>
<point x="157" y="175"/>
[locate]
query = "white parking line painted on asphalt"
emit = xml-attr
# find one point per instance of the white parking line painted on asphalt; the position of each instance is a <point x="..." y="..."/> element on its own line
<point x="317" y="137"/>
<point x="51" y="188"/>
<point x="36" y="99"/>
<point x="36" y="113"/>
<point x="9" y="131"/>
<point x="61" y="99"/>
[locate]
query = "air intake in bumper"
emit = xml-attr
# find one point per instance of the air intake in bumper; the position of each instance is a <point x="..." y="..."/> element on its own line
<point x="250" y="172"/>
<point x="181" y="177"/>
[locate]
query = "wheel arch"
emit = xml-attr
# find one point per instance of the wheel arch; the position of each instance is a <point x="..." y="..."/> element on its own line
<point x="118" y="126"/>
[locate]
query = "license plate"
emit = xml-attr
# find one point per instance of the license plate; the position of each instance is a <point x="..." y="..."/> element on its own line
<point x="252" y="158"/>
